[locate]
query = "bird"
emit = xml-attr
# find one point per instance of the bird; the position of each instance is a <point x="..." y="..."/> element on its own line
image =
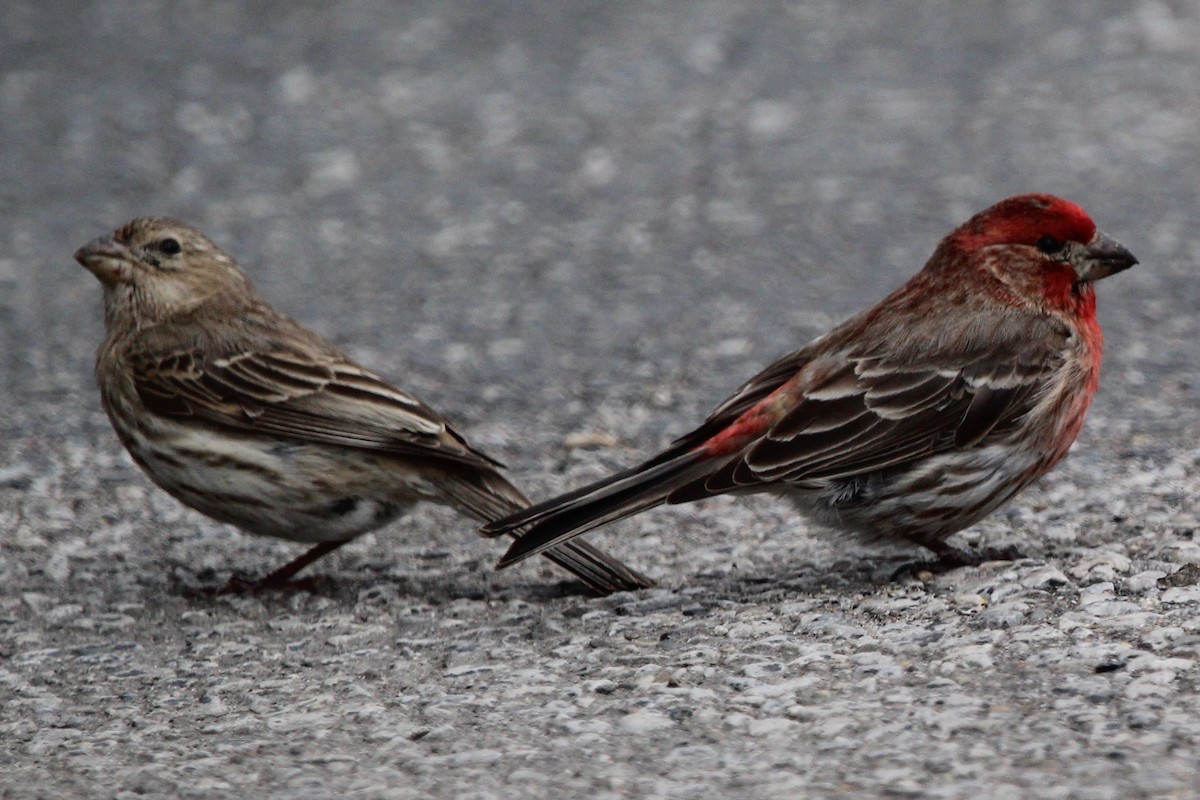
<point x="910" y="421"/>
<point x="245" y="415"/>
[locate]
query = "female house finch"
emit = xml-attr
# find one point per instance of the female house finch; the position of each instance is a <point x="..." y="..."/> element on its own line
<point x="241" y="413"/>
<point x="911" y="420"/>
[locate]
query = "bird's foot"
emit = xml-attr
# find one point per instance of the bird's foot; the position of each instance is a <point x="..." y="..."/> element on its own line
<point x="951" y="558"/>
<point x="284" y="578"/>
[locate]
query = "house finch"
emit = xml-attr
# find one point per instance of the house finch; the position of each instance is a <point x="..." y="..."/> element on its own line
<point x="912" y="420"/>
<point x="243" y="414"/>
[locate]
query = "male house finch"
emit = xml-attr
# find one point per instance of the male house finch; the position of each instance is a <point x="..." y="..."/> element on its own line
<point x="911" y="420"/>
<point x="243" y="414"/>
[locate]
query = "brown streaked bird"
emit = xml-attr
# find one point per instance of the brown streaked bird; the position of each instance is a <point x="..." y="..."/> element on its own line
<point x="910" y="421"/>
<point x="247" y="416"/>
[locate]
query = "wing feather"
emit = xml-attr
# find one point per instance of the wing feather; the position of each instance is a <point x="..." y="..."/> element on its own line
<point x="316" y="398"/>
<point x="861" y="411"/>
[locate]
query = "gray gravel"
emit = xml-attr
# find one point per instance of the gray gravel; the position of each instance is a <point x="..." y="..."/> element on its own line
<point x="574" y="227"/>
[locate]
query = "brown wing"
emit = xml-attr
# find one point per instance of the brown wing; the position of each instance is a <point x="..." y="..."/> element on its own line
<point x="299" y="396"/>
<point x="868" y="413"/>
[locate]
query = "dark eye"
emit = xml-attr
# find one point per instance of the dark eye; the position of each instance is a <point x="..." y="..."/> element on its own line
<point x="1049" y="245"/>
<point x="169" y="247"/>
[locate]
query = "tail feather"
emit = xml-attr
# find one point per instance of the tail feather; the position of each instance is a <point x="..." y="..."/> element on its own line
<point x="607" y="500"/>
<point x="600" y="571"/>
<point x="488" y="495"/>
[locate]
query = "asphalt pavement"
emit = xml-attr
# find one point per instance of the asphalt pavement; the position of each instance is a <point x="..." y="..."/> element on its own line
<point x="573" y="228"/>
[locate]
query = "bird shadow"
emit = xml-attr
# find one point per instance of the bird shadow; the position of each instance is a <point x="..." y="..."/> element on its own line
<point x="765" y="584"/>
<point x="208" y="585"/>
<point x="845" y="575"/>
<point x="772" y="585"/>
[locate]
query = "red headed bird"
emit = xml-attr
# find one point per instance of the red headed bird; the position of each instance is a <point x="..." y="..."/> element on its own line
<point x="910" y="421"/>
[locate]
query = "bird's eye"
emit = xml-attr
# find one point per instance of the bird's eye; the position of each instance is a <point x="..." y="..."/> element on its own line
<point x="170" y="247"/>
<point x="1049" y="245"/>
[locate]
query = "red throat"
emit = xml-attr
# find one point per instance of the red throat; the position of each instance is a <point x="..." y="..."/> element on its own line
<point x="1063" y="293"/>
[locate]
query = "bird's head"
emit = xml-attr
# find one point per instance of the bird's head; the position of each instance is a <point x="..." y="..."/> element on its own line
<point x="1042" y="248"/>
<point x="155" y="268"/>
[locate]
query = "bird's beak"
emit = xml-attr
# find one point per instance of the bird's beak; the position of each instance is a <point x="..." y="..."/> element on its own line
<point x="1103" y="257"/>
<point x="107" y="259"/>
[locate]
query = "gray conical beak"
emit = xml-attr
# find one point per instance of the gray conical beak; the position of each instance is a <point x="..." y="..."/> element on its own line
<point x="107" y="259"/>
<point x="1104" y="256"/>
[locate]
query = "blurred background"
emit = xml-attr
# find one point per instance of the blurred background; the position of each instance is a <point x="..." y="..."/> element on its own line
<point x="544" y="200"/>
<point x="572" y="227"/>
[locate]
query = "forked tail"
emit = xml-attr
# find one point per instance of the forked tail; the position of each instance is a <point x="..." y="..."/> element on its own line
<point x="553" y="522"/>
<point x="489" y="495"/>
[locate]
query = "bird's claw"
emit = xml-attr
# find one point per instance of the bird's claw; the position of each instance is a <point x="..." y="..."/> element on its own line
<point x="951" y="558"/>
